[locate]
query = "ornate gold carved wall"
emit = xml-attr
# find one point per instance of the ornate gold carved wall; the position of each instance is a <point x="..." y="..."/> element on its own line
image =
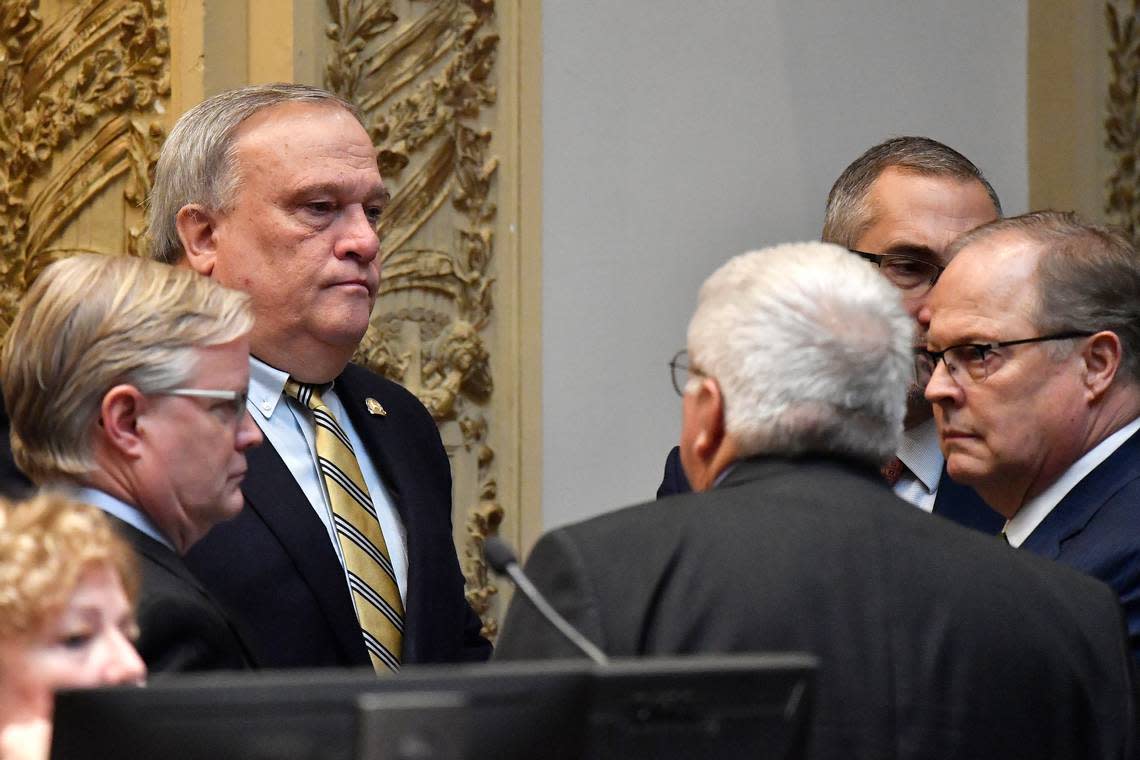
<point x="83" y="86"/>
<point x="88" y="88"/>
<point x="1122" y="124"/>
<point x="423" y="74"/>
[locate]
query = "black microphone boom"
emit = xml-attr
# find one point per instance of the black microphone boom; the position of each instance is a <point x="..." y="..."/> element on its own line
<point x="503" y="561"/>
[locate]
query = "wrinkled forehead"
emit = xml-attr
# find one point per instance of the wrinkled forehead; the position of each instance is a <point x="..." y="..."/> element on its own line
<point x="304" y="134"/>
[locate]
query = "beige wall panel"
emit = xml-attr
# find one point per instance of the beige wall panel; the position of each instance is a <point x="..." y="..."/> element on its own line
<point x="1068" y="81"/>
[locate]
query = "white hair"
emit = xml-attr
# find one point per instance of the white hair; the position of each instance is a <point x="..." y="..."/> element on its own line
<point x="811" y="348"/>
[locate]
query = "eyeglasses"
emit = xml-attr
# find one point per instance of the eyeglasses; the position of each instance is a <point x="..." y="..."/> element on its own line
<point x="680" y="369"/>
<point x="914" y="277"/>
<point x="975" y="357"/>
<point x="237" y="398"/>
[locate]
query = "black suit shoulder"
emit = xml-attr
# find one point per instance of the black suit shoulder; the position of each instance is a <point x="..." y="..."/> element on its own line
<point x="181" y="628"/>
<point x="275" y="560"/>
<point x="934" y="640"/>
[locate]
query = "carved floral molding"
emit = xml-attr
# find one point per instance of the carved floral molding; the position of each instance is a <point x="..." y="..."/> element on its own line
<point x="1122" y="125"/>
<point x="82" y="99"/>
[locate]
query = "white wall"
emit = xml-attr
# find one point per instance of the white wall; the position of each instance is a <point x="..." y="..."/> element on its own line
<point x="677" y="134"/>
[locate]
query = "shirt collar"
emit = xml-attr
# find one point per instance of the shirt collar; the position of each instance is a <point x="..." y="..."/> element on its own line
<point x="1034" y="511"/>
<point x="920" y="453"/>
<point x="128" y="513"/>
<point x="266" y="386"/>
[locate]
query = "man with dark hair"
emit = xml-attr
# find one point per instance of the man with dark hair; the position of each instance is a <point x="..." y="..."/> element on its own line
<point x="900" y="205"/>
<point x="1034" y="345"/>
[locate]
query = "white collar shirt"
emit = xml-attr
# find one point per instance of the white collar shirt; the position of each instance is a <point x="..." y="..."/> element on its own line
<point x="1034" y="511"/>
<point x="919" y="453"/>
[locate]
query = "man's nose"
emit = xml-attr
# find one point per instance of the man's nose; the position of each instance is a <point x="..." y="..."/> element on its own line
<point x="359" y="239"/>
<point x="248" y="434"/>
<point x="941" y="386"/>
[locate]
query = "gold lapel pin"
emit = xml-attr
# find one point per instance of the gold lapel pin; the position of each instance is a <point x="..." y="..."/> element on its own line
<point x="374" y="407"/>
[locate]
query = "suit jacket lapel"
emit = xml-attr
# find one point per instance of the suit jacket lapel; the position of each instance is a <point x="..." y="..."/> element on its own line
<point x="1079" y="505"/>
<point x="272" y="492"/>
<point x="167" y="559"/>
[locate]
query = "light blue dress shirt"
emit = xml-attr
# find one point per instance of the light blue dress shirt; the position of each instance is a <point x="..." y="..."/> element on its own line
<point x="289" y="427"/>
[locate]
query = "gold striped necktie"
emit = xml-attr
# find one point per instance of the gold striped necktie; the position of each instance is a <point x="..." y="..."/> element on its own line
<point x="371" y="578"/>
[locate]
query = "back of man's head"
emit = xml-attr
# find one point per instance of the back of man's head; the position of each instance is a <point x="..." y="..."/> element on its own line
<point x="198" y="163"/>
<point x="811" y="349"/>
<point x="1088" y="278"/>
<point x="89" y="323"/>
<point x="849" y="213"/>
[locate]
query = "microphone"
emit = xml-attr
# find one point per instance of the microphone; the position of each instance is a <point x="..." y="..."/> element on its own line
<point x="503" y="561"/>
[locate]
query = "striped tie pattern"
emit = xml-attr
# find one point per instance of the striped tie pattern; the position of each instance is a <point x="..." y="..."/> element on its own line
<point x="371" y="578"/>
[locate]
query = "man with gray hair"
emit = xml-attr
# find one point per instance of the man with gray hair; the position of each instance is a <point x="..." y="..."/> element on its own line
<point x="1035" y="350"/>
<point x="126" y="383"/>
<point x="344" y="554"/>
<point x="900" y="205"/>
<point x="933" y="641"/>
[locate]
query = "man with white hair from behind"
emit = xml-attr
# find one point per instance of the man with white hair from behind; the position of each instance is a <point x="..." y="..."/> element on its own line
<point x="934" y="641"/>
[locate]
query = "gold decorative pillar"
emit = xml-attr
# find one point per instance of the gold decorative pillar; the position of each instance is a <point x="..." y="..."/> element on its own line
<point x="439" y="84"/>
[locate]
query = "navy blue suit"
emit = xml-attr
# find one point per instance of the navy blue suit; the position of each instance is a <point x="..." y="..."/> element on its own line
<point x="1096" y="529"/>
<point x="181" y="627"/>
<point x="276" y="569"/>
<point x="954" y="501"/>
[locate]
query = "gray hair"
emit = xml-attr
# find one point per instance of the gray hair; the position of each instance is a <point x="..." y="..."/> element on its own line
<point x="89" y="323"/>
<point x="1088" y="277"/>
<point x="812" y="351"/>
<point x="198" y="161"/>
<point x="849" y="214"/>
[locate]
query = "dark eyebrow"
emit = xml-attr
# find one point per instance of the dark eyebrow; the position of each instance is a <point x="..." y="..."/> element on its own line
<point x="914" y="250"/>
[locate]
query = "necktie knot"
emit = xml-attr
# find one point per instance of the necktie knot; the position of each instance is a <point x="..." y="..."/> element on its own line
<point x="308" y="394"/>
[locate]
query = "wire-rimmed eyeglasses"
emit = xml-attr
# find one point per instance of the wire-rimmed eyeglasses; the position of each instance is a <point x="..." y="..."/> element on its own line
<point x="977" y="358"/>
<point x="236" y="398"/>
<point x="913" y="276"/>
<point x="680" y="370"/>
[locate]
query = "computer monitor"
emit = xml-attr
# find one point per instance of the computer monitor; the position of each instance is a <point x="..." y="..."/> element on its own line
<point x="568" y="709"/>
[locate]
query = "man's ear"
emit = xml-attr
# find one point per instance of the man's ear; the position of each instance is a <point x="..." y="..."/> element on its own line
<point x="708" y="408"/>
<point x="705" y="447"/>
<point x="119" y="419"/>
<point x="1102" y="355"/>
<point x="197" y="229"/>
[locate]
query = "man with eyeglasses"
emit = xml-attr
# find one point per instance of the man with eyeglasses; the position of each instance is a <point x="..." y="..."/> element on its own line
<point x="900" y="205"/>
<point x="1034" y="345"/>
<point x="933" y="641"/>
<point x="126" y="382"/>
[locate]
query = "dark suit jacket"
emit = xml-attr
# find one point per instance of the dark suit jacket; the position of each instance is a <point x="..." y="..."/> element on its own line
<point x="1096" y="529"/>
<point x="934" y="641"/>
<point x="954" y="501"/>
<point x="275" y="567"/>
<point x="181" y="628"/>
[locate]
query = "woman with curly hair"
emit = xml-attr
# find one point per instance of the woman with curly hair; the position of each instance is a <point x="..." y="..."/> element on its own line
<point x="67" y="592"/>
